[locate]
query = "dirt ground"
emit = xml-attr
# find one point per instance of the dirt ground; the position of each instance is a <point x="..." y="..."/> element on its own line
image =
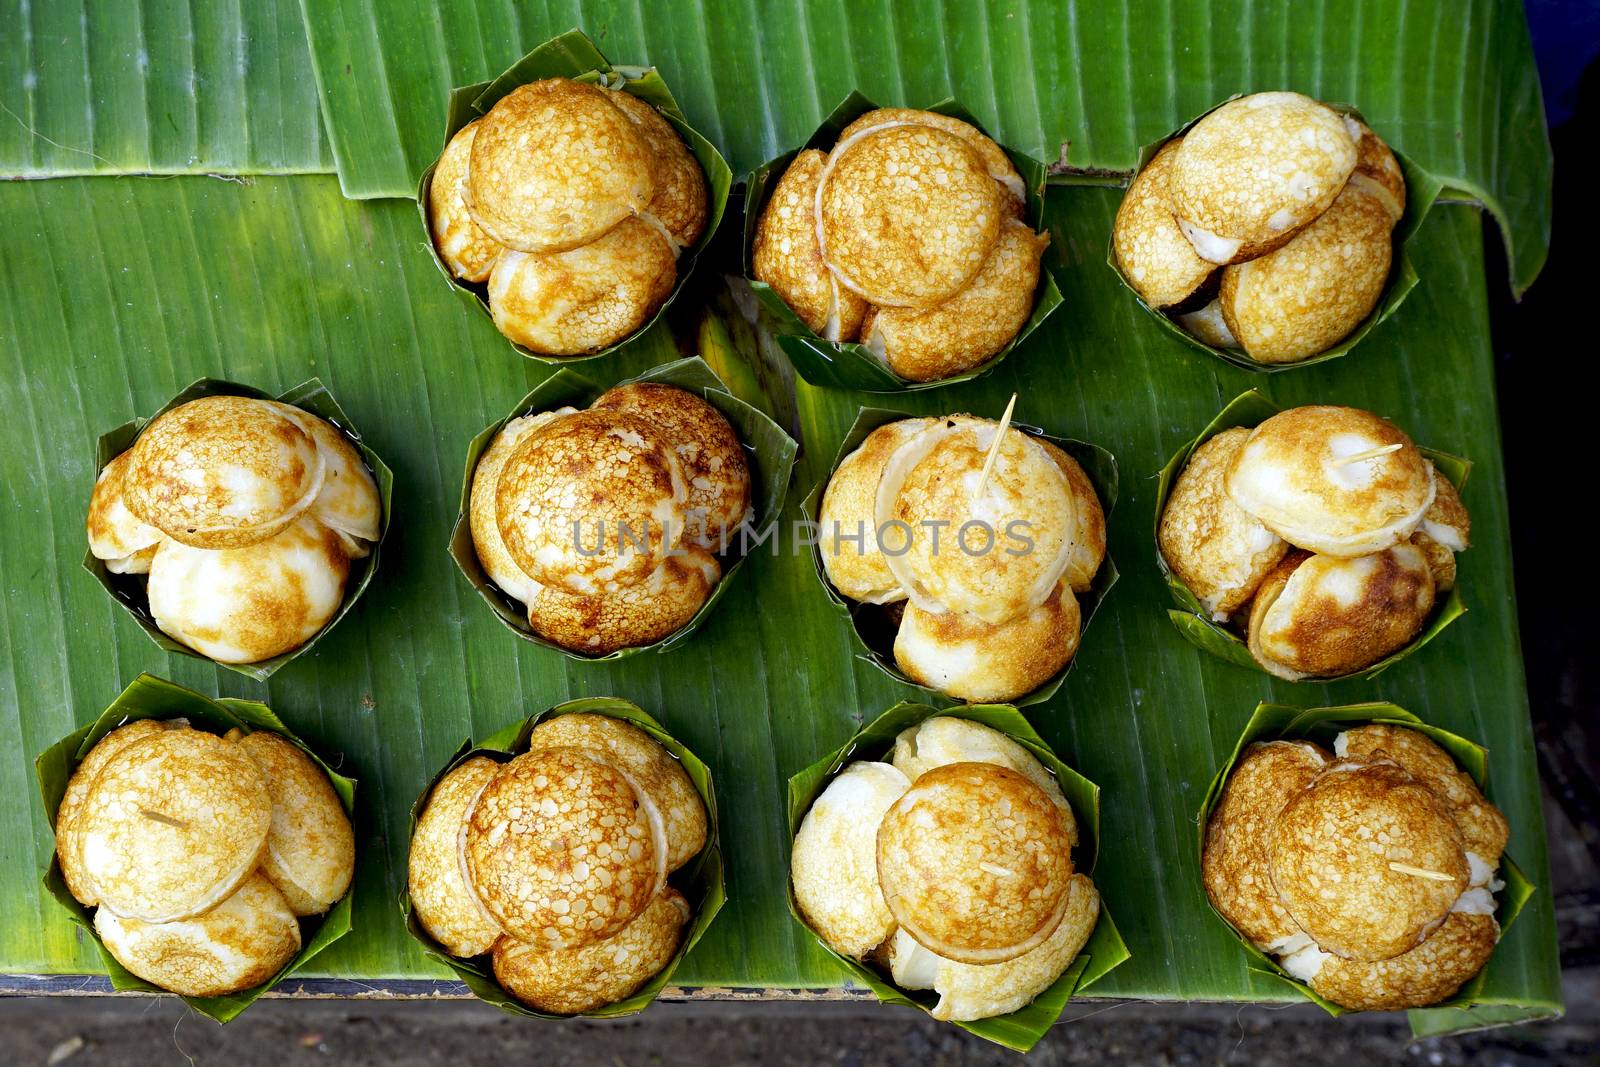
<point x="114" y="1033"/>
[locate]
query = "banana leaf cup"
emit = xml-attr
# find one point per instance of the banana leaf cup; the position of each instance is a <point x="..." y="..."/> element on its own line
<point x="1276" y="722"/>
<point x="573" y="55"/>
<point x="1195" y="623"/>
<point x="768" y="448"/>
<point x="149" y="697"/>
<point x="875" y="630"/>
<point x="854" y="366"/>
<point x="128" y="590"/>
<point x="1422" y="189"/>
<point x="1103" y="952"/>
<point x="700" y="880"/>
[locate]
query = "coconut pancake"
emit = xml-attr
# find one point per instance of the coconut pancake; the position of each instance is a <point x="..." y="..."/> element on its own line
<point x="995" y="160"/>
<point x="580" y="300"/>
<point x="116" y="535"/>
<point x="1296" y="475"/>
<point x="679" y="202"/>
<point x="834" y="865"/>
<point x="1236" y="860"/>
<point x="1216" y="548"/>
<point x="444" y="904"/>
<point x="482" y="506"/>
<point x="568" y="981"/>
<point x="1155" y="256"/>
<point x="462" y="244"/>
<point x="945" y="739"/>
<point x="786" y="256"/>
<point x="1252" y="173"/>
<point x="554" y="165"/>
<point x="172" y="825"/>
<point x="311" y="848"/>
<point x="237" y="945"/>
<point x="1445" y="960"/>
<point x="653" y="769"/>
<point x="1089" y="537"/>
<point x="1345" y="853"/>
<point x="1483" y="828"/>
<point x="1377" y="171"/>
<point x="1000" y="554"/>
<point x="597" y="624"/>
<point x="981" y="991"/>
<point x="960" y="654"/>
<point x="592" y="502"/>
<point x="68" y="841"/>
<point x="1321" y="616"/>
<point x="906" y="215"/>
<point x="222" y="472"/>
<point x="975" y="861"/>
<point x="563" y="849"/>
<point x="713" y="459"/>
<point x="348" y="502"/>
<point x="924" y="344"/>
<point x="245" y="605"/>
<point x="1309" y="295"/>
<point x="847" y="523"/>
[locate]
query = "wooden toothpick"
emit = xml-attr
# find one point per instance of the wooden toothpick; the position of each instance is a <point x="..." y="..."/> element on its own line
<point x="1421" y="872"/>
<point x="1371" y="453"/>
<point x="994" y="449"/>
<point x="156" y="816"/>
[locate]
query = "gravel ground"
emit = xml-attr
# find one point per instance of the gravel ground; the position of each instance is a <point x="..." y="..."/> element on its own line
<point x="121" y="1032"/>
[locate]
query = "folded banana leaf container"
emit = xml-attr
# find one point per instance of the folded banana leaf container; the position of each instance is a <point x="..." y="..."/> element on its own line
<point x="1103" y="952"/>
<point x="128" y="590"/>
<point x="149" y="697"/>
<point x="771" y="454"/>
<point x="700" y="880"/>
<point x="573" y="55"/>
<point x="1422" y="189"/>
<point x="1195" y="623"/>
<point x="1277" y="722"/>
<point x="855" y="366"/>
<point x="875" y="632"/>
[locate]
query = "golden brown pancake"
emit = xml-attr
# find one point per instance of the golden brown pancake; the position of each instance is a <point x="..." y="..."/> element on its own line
<point x="311" y="848"/>
<point x="786" y="255"/>
<point x="647" y="611"/>
<point x="466" y="250"/>
<point x="847" y="524"/>
<point x="712" y="456"/>
<point x="973" y="660"/>
<point x="1236" y="860"/>
<point x="125" y="542"/>
<point x="68" y="841"/>
<point x="975" y="862"/>
<point x="679" y="202"/>
<point x="926" y="344"/>
<point x="907" y="215"/>
<point x="1345" y="856"/>
<point x="580" y="300"/>
<point x="1213" y="546"/>
<point x="554" y="165"/>
<point x="1255" y="171"/>
<point x="1155" y="256"/>
<point x="568" y="981"/>
<point x="444" y="904"/>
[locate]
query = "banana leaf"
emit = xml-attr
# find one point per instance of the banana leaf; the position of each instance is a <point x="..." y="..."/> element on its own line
<point x="872" y="630"/>
<point x="573" y="55"/>
<point x="851" y="365"/>
<point x="1454" y="86"/>
<point x="147" y="87"/>
<point x="771" y="462"/>
<point x="1105" y="950"/>
<point x="1277" y="722"/>
<point x="148" y="697"/>
<point x="1195" y="622"/>
<point x="700" y="880"/>
<point x="129" y="591"/>
<point x="118" y="312"/>
<point x="1422" y="189"/>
